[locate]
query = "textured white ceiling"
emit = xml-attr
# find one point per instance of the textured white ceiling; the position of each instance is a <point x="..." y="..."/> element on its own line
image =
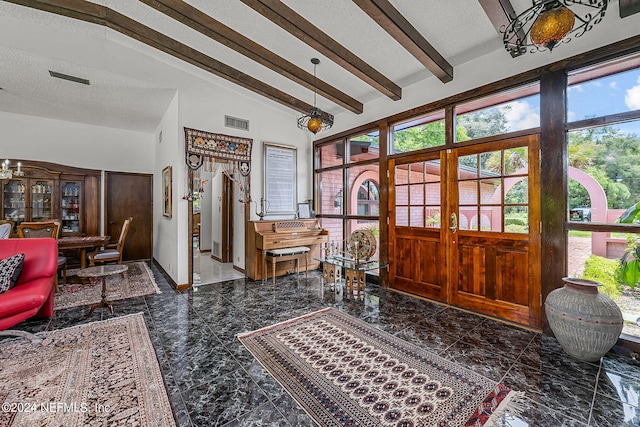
<point x="132" y="84"/>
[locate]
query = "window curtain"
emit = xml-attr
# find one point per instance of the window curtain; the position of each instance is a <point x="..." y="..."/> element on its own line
<point x="213" y="152"/>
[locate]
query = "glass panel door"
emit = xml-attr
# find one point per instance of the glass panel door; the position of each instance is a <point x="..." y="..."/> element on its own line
<point x="14" y="200"/>
<point x="70" y="205"/>
<point x="41" y="204"/>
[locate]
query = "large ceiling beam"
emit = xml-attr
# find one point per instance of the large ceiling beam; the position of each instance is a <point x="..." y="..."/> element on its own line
<point x="289" y="20"/>
<point x="406" y="34"/>
<point x="629" y="7"/>
<point x="101" y="15"/>
<point x="500" y="13"/>
<point x="205" y="24"/>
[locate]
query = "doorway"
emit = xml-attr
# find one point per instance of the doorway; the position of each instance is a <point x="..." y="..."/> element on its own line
<point x="212" y="249"/>
<point x="465" y="227"/>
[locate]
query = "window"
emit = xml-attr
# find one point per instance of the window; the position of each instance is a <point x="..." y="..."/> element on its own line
<point x="368" y="199"/>
<point x="418" y="198"/>
<point x="499" y="114"/>
<point x="493" y="191"/>
<point x="416" y="134"/>
<point x="604" y="179"/>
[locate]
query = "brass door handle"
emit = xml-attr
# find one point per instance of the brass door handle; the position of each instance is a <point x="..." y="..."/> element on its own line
<point x="453" y="223"/>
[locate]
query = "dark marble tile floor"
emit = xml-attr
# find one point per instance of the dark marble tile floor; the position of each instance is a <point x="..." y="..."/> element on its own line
<point x="212" y="380"/>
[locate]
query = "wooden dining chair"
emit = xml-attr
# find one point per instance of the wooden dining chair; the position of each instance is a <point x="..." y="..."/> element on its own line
<point x="113" y="251"/>
<point x="45" y="229"/>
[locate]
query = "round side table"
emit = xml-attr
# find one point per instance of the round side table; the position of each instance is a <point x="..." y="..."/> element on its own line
<point x="98" y="274"/>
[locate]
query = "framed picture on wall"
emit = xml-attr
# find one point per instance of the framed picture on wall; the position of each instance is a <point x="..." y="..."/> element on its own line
<point x="166" y="191"/>
<point x="304" y="211"/>
<point x="280" y="188"/>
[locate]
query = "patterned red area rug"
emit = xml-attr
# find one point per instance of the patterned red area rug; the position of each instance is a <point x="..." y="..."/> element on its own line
<point x="98" y="374"/>
<point x="344" y="372"/>
<point x="138" y="282"/>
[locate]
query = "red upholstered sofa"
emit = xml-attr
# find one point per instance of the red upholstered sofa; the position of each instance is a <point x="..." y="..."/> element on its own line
<point x="33" y="293"/>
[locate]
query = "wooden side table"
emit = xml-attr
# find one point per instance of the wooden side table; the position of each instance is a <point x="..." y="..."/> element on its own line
<point x="98" y="274"/>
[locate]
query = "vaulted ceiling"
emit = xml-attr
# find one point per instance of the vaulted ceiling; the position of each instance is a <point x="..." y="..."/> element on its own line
<point x="137" y="53"/>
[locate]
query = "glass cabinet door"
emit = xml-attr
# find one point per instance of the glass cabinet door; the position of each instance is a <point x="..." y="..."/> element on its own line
<point x="70" y="205"/>
<point x="41" y="206"/>
<point x="14" y="200"/>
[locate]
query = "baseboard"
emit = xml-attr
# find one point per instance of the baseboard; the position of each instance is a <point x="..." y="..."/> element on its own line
<point x="241" y="270"/>
<point x="168" y="278"/>
<point x="204" y="251"/>
<point x="216" y="258"/>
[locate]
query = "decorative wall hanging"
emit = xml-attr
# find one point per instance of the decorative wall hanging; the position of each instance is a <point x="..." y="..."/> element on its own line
<point x="209" y="152"/>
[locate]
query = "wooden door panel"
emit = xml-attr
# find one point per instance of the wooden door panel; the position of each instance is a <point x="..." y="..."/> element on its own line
<point x="130" y="195"/>
<point x="418" y="266"/>
<point x="471" y="273"/>
<point x="512" y="282"/>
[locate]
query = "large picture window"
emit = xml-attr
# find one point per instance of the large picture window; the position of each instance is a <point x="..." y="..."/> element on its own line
<point x="604" y="180"/>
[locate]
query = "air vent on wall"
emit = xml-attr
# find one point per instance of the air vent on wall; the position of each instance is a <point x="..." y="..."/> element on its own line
<point x="236" y="123"/>
<point x="217" y="249"/>
<point x="68" y="77"/>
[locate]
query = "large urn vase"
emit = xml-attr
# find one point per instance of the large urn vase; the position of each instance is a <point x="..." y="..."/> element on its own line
<point x="585" y="322"/>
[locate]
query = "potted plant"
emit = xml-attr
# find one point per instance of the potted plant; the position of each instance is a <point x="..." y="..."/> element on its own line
<point x="630" y="261"/>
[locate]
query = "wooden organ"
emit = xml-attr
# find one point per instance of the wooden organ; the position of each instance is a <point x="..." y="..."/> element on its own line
<point x="283" y="233"/>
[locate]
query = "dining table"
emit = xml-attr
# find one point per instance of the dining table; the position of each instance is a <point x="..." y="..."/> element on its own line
<point x="83" y="243"/>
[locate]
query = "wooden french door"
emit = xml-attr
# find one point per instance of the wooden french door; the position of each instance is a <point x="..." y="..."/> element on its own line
<point x="465" y="228"/>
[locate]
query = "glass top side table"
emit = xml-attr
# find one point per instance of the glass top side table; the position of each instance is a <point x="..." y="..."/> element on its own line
<point x="354" y="271"/>
<point x="98" y="274"/>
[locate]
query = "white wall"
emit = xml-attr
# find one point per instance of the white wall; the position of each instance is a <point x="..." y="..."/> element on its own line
<point x="204" y="108"/>
<point x="165" y="230"/>
<point x="75" y="144"/>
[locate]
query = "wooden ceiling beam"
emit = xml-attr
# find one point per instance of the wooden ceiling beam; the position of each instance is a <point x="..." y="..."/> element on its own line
<point x="629" y="7"/>
<point x="286" y="18"/>
<point x="101" y="15"/>
<point x="205" y="24"/>
<point x="500" y="13"/>
<point x="394" y="23"/>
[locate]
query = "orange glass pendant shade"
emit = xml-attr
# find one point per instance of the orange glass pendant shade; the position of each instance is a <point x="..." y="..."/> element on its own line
<point x="552" y="26"/>
<point x="314" y="125"/>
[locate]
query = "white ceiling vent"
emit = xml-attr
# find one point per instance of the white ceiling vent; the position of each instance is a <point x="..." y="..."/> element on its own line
<point x="236" y="123"/>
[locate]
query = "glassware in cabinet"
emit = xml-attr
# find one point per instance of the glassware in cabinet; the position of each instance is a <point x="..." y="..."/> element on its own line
<point x="14" y="200"/>
<point x="41" y="205"/>
<point x="70" y="207"/>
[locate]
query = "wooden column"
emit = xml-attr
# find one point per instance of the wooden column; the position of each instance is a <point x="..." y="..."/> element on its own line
<point x="553" y="182"/>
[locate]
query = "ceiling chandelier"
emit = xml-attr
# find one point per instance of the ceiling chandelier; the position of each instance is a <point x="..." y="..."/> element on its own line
<point x="7" y="173"/>
<point x="550" y="22"/>
<point x="317" y="119"/>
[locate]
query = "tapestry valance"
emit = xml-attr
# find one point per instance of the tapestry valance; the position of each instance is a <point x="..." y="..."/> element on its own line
<point x="209" y="152"/>
<point x="216" y="145"/>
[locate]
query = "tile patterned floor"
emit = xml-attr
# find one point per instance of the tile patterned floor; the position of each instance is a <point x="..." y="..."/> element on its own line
<point x="213" y="381"/>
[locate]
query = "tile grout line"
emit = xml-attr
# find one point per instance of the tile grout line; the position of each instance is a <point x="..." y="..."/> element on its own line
<point x="595" y="393"/>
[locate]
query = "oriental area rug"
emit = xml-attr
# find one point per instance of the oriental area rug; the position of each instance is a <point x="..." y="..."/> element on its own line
<point x="75" y="293"/>
<point x="101" y="373"/>
<point x="344" y="372"/>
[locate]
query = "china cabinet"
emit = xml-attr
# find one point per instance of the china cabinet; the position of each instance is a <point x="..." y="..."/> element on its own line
<point x="50" y="191"/>
<point x="28" y="199"/>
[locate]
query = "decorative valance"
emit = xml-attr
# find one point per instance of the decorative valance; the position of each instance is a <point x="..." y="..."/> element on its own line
<point x="218" y="146"/>
<point x="213" y="150"/>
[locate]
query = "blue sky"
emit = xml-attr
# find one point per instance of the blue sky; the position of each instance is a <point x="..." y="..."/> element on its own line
<point x="608" y="95"/>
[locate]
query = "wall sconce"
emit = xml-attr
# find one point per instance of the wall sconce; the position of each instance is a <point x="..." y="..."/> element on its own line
<point x="337" y="200"/>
